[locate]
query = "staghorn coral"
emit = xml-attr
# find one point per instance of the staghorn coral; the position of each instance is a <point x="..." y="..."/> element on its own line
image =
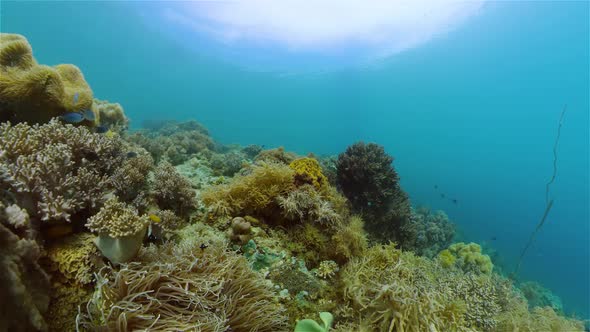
<point x="110" y="115"/>
<point x="308" y="171"/>
<point x="35" y="93"/>
<point x="180" y="287"/>
<point x="55" y="170"/>
<point x="25" y="286"/>
<point x="467" y="257"/>
<point x="171" y="191"/>
<point x="121" y="230"/>
<point x="253" y="194"/>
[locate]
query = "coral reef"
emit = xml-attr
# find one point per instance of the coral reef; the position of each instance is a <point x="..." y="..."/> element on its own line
<point x="227" y="164"/>
<point x="180" y="287"/>
<point x="57" y="170"/>
<point x="308" y="171"/>
<point x="240" y="231"/>
<point x="175" y="142"/>
<point x="35" y="93"/>
<point x="539" y="296"/>
<point x="278" y="155"/>
<point x="110" y="115"/>
<point x="172" y="191"/>
<point x="426" y="233"/>
<point x="25" y="285"/>
<point x="467" y="257"/>
<point x="366" y="176"/>
<point x="120" y="230"/>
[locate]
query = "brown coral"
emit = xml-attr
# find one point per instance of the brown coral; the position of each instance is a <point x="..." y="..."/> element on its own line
<point x="36" y="93"/>
<point x="117" y="219"/>
<point x="110" y="115"/>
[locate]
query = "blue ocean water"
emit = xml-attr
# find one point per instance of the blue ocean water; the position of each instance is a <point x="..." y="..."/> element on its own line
<point x="474" y="111"/>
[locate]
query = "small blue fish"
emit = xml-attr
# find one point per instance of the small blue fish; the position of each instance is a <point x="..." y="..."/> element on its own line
<point x="76" y="95"/>
<point x="89" y="115"/>
<point x="101" y="129"/>
<point x="72" y="117"/>
<point x="131" y="154"/>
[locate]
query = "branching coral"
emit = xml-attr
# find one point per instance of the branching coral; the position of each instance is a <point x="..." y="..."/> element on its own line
<point x="57" y="170"/>
<point x="227" y="164"/>
<point x="349" y="240"/>
<point x="175" y="142"/>
<point x="131" y="178"/>
<point x="172" y="191"/>
<point x="35" y="93"/>
<point x="467" y="257"/>
<point x="110" y="115"/>
<point x="181" y="287"/>
<point x="121" y="230"/>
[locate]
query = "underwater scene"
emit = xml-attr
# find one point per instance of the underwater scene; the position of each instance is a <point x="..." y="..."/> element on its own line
<point x="266" y="165"/>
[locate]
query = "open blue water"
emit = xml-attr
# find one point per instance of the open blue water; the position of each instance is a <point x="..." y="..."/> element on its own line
<point x="474" y="111"/>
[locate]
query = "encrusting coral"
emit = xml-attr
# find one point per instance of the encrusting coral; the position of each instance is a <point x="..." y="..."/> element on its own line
<point x="35" y="93"/>
<point x="426" y="233"/>
<point x="308" y="171"/>
<point x="178" y="286"/>
<point x="539" y="296"/>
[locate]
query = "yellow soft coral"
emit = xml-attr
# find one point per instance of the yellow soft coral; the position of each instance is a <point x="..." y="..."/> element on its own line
<point x="72" y="258"/>
<point x="35" y="93"/>
<point x="467" y="257"/>
<point x="308" y="170"/>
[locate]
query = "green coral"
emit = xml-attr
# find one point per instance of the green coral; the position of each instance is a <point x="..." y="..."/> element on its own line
<point x="310" y="325"/>
<point x="259" y="258"/>
<point x="467" y="257"/>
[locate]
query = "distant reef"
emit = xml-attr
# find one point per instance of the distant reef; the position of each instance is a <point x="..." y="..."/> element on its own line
<point x="165" y="229"/>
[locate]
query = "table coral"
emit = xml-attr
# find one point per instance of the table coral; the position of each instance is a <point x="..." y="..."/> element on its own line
<point x="35" y="93"/>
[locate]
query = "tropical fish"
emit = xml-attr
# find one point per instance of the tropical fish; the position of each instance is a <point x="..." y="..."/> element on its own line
<point x="131" y="154"/>
<point x="89" y="115"/>
<point x="154" y="218"/>
<point x="76" y="95"/>
<point x="455" y="201"/>
<point x="101" y="129"/>
<point x="435" y="186"/>
<point x="203" y="246"/>
<point x="110" y="134"/>
<point x="442" y="195"/>
<point x="72" y="117"/>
